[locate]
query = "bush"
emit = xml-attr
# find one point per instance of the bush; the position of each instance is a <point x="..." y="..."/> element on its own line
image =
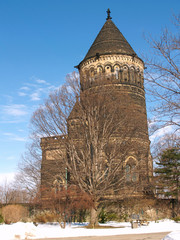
<point x="106" y="216"/>
<point x="80" y="215"/>
<point x="46" y="216"/>
<point x="14" y="213"/>
<point x="124" y="217"/>
<point x="177" y="219"/>
<point x="1" y="219"/>
<point x="102" y="217"/>
<point x="111" y="216"/>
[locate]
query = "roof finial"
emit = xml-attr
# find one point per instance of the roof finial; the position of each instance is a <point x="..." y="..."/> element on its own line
<point x="108" y="14"/>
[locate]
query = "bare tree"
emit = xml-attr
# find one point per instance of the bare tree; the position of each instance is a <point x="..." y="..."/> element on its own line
<point x="97" y="144"/>
<point x="5" y="192"/>
<point x="163" y="76"/>
<point x="166" y="141"/>
<point x="9" y="193"/>
<point x="28" y="177"/>
<point x="64" y="203"/>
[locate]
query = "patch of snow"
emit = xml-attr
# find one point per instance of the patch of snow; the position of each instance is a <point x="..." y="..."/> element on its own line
<point x="52" y="230"/>
<point x="172" y="236"/>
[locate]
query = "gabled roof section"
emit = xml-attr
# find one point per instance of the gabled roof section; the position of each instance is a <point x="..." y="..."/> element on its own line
<point x="109" y="41"/>
<point x="75" y="111"/>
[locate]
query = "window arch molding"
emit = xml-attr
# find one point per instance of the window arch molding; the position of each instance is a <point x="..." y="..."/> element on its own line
<point x="131" y="158"/>
<point x="130" y="167"/>
<point x="108" y="67"/>
<point x="116" y="64"/>
<point x="92" y="69"/>
<point x="100" y="69"/>
<point x="125" y="73"/>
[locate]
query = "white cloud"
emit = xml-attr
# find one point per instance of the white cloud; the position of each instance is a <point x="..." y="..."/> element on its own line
<point x="15" y="110"/>
<point x="15" y="137"/>
<point x="42" y="81"/>
<point x="161" y="132"/>
<point x="35" y="96"/>
<point x="20" y="130"/>
<point x="25" y="88"/>
<point x="6" y="177"/>
<point x="36" y="90"/>
<point x="19" y="139"/>
<point x="7" y="134"/>
<point x="11" y="157"/>
<point x="22" y="94"/>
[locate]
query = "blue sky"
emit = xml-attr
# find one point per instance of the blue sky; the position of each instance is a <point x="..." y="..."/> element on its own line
<point x="42" y="40"/>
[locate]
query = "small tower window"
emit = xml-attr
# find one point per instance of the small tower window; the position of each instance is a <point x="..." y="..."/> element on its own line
<point x="91" y="79"/>
<point x="139" y="79"/>
<point x="108" y="69"/>
<point x="125" y="74"/>
<point x="99" y="70"/>
<point x="132" y="73"/>
<point x="117" y="72"/>
<point x="92" y="73"/>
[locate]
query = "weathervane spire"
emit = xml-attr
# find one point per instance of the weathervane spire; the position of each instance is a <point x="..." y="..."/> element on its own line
<point x="108" y="14"/>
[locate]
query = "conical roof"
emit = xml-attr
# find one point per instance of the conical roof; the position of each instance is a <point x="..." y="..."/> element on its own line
<point x="109" y="41"/>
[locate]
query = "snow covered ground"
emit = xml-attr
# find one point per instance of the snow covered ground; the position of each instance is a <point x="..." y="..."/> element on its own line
<point x="52" y="230"/>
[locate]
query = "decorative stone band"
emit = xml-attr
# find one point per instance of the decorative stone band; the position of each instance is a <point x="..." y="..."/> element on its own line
<point x="112" y="69"/>
<point x="121" y="59"/>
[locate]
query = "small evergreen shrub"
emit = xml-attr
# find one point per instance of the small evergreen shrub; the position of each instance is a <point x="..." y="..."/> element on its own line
<point x="106" y="216"/>
<point x="102" y="217"/>
<point x="111" y="216"/>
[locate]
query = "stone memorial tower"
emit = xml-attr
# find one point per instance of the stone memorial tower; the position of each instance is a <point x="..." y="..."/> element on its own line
<point x="113" y="60"/>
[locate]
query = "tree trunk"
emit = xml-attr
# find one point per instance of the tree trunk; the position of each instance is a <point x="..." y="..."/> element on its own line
<point x="62" y="222"/>
<point x="93" y="218"/>
<point x="178" y="204"/>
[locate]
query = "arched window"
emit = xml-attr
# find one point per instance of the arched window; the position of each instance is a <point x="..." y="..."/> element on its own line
<point x="99" y="70"/>
<point x="92" y="73"/>
<point x="137" y="76"/>
<point x="132" y="75"/>
<point x="125" y="74"/>
<point x="131" y="170"/>
<point x="58" y="183"/>
<point x="131" y="175"/>
<point x="108" y="69"/>
<point x="128" y="170"/>
<point x="117" y="72"/>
